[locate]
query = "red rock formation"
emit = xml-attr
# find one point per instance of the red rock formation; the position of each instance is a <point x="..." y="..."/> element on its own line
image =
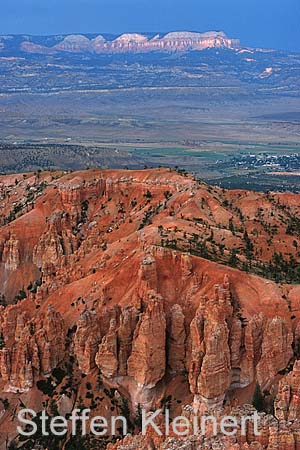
<point x="136" y="307"/>
<point x="276" y="351"/>
<point x="107" y="356"/>
<point x="31" y="348"/>
<point x="272" y="436"/>
<point x="55" y="243"/>
<point x="11" y="253"/>
<point x="128" y="322"/>
<point x="210" y="369"/>
<point x="147" y="362"/>
<point x="176" y="343"/>
<point x="287" y="403"/>
<point x="86" y="340"/>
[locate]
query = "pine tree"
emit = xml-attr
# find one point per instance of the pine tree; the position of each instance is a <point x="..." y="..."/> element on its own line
<point x="258" y="399"/>
<point x="2" y="341"/>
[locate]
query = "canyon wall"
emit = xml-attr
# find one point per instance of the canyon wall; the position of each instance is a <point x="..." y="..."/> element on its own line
<point x="111" y="287"/>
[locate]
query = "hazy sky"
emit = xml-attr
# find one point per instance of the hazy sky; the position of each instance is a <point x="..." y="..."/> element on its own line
<point x="267" y="23"/>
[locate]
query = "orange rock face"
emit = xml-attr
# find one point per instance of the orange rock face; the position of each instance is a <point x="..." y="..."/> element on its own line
<point x="126" y="280"/>
<point x="11" y="254"/>
<point x="287" y="403"/>
<point x="147" y="362"/>
<point x="32" y="347"/>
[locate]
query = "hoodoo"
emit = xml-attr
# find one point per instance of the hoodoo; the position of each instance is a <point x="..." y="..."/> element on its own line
<point x="124" y="294"/>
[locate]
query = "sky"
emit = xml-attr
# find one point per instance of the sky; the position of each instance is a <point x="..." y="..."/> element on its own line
<point x="259" y="23"/>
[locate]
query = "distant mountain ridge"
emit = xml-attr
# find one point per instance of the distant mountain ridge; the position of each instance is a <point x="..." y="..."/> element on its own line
<point x="128" y="42"/>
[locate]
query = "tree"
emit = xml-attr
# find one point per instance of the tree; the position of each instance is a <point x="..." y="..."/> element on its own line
<point x="31" y="329"/>
<point x="99" y="379"/>
<point x="231" y="226"/>
<point x="249" y="245"/>
<point x="12" y="446"/>
<point x="297" y="348"/>
<point x="258" y="399"/>
<point x="138" y="417"/>
<point x="160" y="229"/>
<point x="2" y="341"/>
<point x="53" y="408"/>
<point x="5" y="404"/>
<point x="148" y="194"/>
<point x="233" y="260"/>
<point x="125" y="412"/>
<point x="2" y="300"/>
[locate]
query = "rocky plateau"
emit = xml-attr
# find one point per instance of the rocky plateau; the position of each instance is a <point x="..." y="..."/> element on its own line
<point x="124" y="43"/>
